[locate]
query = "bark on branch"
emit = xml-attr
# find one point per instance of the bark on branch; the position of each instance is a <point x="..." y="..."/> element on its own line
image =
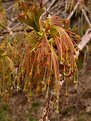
<point x="84" y="40"/>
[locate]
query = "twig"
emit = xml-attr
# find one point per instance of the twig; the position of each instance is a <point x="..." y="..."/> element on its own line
<point x="2" y="26"/>
<point x="47" y="10"/>
<point x="9" y="8"/>
<point x="16" y="25"/>
<point x="76" y="6"/>
<point x="86" y="17"/>
<point x="86" y="54"/>
<point x="14" y="31"/>
<point x="7" y="29"/>
<point x="12" y="20"/>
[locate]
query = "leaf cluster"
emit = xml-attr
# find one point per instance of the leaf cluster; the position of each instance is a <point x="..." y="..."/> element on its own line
<point x="39" y="63"/>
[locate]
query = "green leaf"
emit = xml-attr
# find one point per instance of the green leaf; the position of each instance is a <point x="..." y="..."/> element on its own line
<point x="31" y="16"/>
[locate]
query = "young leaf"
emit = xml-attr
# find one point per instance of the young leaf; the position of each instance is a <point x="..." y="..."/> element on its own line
<point x="31" y="16"/>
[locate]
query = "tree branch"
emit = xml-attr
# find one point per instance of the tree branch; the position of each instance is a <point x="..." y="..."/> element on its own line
<point x="84" y="41"/>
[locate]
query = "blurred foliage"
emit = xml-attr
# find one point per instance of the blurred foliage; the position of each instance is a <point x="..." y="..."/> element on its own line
<point x="36" y="104"/>
<point x="3" y="19"/>
<point x="4" y="112"/>
<point x="78" y="21"/>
